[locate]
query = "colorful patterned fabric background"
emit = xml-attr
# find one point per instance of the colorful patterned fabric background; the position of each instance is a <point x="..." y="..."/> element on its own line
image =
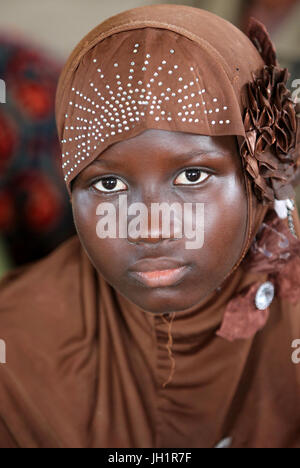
<point x="35" y="213"/>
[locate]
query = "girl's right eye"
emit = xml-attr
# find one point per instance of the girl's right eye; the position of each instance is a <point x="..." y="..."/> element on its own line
<point x="109" y="184"/>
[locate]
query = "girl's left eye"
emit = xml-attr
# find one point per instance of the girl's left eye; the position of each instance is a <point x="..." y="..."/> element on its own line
<point x="109" y="184"/>
<point x="191" y="176"/>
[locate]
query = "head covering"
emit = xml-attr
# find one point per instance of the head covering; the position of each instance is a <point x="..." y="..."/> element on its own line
<point x="96" y="370"/>
<point x="131" y="73"/>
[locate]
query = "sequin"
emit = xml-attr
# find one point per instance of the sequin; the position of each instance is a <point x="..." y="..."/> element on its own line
<point x="264" y="295"/>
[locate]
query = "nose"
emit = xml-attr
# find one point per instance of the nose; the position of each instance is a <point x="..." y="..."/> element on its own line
<point x="155" y="226"/>
<point x="151" y="240"/>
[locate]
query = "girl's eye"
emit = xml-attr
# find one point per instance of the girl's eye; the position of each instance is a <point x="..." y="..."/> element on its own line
<point x="191" y="176"/>
<point x="109" y="184"/>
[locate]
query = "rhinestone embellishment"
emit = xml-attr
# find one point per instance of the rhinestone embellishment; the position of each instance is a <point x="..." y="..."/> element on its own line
<point x="284" y="209"/>
<point x="290" y="205"/>
<point x="224" y="443"/>
<point x="265" y="295"/>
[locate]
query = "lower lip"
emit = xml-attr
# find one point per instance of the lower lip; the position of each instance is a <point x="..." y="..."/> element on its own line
<point x="162" y="278"/>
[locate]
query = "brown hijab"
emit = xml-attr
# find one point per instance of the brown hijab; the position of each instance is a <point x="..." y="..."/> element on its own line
<point x="88" y="368"/>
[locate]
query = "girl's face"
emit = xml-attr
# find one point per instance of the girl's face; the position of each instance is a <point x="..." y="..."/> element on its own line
<point x="155" y="167"/>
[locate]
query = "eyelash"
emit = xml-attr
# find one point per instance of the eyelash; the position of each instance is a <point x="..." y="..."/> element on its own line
<point x="184" y="171"/>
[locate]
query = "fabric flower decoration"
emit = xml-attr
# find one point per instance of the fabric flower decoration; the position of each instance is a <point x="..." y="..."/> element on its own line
<point x="269" y="150"/>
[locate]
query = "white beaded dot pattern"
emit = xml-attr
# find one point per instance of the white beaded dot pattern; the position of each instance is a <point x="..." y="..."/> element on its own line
<point x="113" y="108"/>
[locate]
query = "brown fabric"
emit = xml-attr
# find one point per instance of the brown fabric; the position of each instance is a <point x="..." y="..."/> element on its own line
<point x="87" y="368"/>
<point x="258" y="34"/>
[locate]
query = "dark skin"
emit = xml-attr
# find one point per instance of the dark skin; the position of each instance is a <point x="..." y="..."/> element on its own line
<point x="147" y="168"/>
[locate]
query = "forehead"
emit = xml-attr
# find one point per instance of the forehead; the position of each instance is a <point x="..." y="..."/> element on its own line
<point x="170" y="143"/>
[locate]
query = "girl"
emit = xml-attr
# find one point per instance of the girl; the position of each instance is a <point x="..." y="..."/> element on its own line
<point x="128" y="337"/>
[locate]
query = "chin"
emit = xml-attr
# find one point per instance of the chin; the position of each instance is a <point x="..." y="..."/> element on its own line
<point x="163" y="302"/>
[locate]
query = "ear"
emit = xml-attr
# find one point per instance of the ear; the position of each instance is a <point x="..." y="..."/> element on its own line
<point x="259" y="36"/>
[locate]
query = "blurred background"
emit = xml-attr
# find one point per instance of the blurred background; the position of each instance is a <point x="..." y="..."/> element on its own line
<point x="36" y="37"/>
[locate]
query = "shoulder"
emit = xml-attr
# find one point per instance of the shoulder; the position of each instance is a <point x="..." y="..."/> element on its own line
<point x="39" y="304"/>
<point x="33" y="295"/>
<point x="38" y="320"/>
<point x="41" y="275"/>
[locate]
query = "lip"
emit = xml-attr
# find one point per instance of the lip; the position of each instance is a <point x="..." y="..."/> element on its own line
<point x="156" y="264"/>
<point x="159" y="272"/>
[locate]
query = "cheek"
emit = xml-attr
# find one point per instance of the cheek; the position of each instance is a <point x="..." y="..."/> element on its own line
<point x="105" y="254"/>
<point x="226" y="223"/>
<point x="84" y="213"/>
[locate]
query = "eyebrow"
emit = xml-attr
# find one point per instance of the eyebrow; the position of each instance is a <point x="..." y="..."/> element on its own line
<point x="201" y="152"/>
<point x="188" y="155"/>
